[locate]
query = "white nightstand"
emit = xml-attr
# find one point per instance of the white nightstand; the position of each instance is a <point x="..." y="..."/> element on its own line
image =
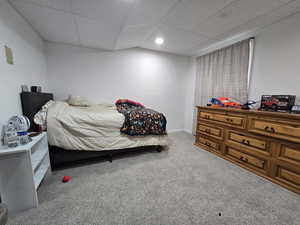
<point x="22" y="170"/>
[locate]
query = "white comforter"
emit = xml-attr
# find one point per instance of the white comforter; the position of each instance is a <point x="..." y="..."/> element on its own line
<point x="94" y="128"/>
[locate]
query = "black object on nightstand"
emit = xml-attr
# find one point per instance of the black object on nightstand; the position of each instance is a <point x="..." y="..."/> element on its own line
<point x="32" y="102"/>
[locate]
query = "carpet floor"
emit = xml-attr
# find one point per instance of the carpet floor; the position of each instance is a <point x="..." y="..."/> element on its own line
<point x="183" y="185"/>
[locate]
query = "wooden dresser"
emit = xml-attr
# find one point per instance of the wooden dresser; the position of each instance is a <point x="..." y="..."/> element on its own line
<point x="266" y="143"/>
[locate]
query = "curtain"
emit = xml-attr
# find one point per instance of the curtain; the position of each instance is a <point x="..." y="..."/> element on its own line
<point x="224" y="72"/>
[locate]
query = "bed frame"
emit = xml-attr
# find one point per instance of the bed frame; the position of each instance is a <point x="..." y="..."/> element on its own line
<point x="32" y="103"/>
<point x="61" y="157"/>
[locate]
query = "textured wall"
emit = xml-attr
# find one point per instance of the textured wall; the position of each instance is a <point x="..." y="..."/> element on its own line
<point x="29" y="60"/>
<point x="156" y="79"/>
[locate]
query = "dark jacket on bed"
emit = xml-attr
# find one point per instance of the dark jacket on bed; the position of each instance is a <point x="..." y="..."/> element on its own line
<point x="140" y="120"/>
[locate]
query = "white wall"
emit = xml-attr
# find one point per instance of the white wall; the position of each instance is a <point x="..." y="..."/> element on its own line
<point x="158" y="80"/>
<point x="29" y="60"/>
<point x="190" y="97"/>
<point x="276" y="68"/>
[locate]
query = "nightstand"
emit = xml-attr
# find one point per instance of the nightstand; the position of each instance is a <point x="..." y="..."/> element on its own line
<point x="22" y="170"/>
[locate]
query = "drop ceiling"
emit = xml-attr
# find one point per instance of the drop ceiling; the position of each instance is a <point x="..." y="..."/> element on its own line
<point x="188" y="26"/>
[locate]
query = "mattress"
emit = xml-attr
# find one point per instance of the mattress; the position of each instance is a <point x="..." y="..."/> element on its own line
<point x="94" y="128"/>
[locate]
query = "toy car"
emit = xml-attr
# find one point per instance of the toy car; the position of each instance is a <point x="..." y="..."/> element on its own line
<point x="272" y="103"/>
<point x="283" y="103"/>
<point x="224" y="102"/>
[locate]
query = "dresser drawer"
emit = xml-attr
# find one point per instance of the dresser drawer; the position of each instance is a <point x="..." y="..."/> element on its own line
<point x="206" y="115"/>
<point x="208" y="130"/>
<point x="284" y="129"/>
<point x="252" y="144"/>
<point x="226" y="119"/>
<point x="289" y="154"/>
<point x="288" y="176"/>
<point x="209" y="143"/>
<point x="248" y="160"/>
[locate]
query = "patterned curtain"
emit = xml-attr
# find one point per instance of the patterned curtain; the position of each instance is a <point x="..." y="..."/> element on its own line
<point x="223" y="73"/>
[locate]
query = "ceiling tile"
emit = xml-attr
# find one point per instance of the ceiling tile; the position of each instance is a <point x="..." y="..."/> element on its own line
<point x="51" y="24"/>
<point x="113" y="12"/>
<point x="64" y="5"/>
<point x="145" y="12"/>
<point x="176" y="40"/>
<point x="133" y="36"/>
<point x="189" y="13"/>
<point x="255" y="25"/>
<point x="236" y="14"/>
<point x="97" y="34"/>
<point x="186" y="25"/>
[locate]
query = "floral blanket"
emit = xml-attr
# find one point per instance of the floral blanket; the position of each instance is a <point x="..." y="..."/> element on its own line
<point x="140" y="120"/>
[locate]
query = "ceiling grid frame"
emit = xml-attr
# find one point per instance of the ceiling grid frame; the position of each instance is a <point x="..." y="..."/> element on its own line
<point x="185" y="41"/>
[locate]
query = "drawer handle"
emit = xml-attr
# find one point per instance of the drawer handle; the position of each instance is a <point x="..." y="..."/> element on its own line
<point x="207" y="116"/>
<point x="229" y="120"/>
<point x="207" y="131"/>
<point x="243" y="159"/>
<point x="270" y="129"/>
<point x="246" y="142"/>
<point x="207" y="144"/>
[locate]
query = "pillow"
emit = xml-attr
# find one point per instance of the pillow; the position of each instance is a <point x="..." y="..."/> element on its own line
<point x="78" y="101"/>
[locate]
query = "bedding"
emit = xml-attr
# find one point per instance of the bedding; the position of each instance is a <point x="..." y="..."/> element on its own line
<point x="40" y="118"/>
<point x="140" y="120"/>
<point x="93" y="128"/>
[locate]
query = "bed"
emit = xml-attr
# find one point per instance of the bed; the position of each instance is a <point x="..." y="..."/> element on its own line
<point x="80" y="133"/>
<point x="94" y="128"/>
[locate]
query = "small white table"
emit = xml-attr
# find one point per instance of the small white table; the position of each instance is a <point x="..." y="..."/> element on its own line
<point x="22" y="170"/>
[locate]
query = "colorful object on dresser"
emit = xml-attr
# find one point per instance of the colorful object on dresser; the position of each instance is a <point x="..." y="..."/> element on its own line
<point x="282" y="103"/>
<point x="66" y="179"/>
<point x="224" y="102"/>
<point x="140" y="120"/>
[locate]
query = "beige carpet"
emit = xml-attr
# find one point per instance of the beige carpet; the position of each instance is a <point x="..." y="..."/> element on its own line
<point x="184" y="185"/>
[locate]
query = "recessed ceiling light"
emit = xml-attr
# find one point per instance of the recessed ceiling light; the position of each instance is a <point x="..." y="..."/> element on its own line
<point x="159" y="41"/>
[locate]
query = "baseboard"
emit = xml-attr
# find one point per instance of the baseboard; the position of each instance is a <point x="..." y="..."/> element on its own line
<point x="175" y="130"/>
<point x="188" y="131"/>
<point x="180" y="130"/>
